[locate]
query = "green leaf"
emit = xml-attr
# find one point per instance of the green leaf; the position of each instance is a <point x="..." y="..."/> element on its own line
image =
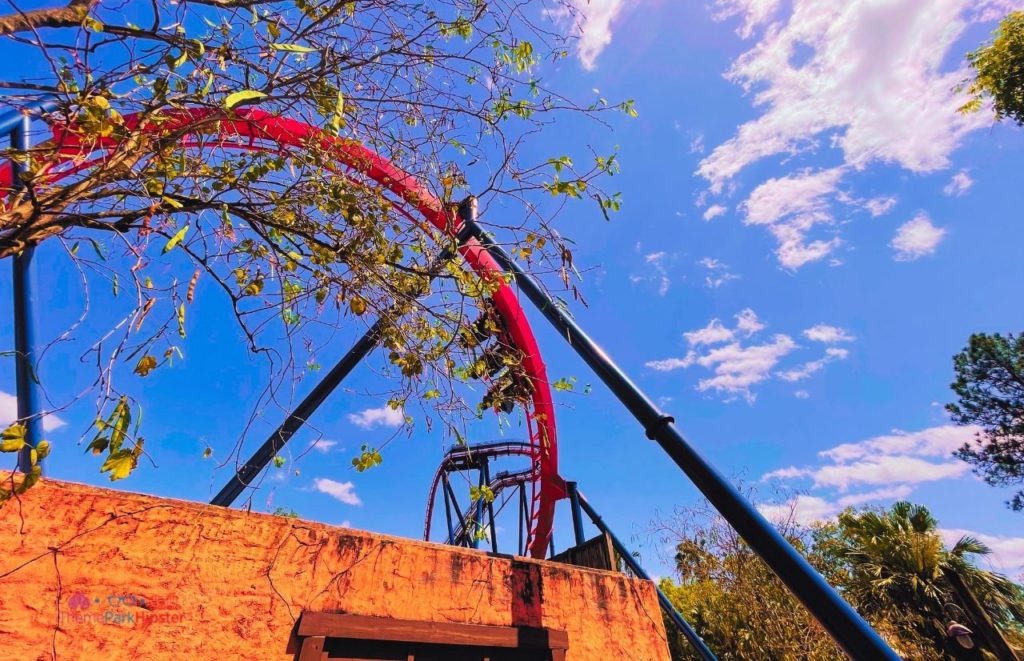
<point x="293" y="48"/>
<point x="119" y="421"/>
<point x="97" y="249"/>
<point x="243" y="96"/>
<point x="99" y="444"/>
<point x="33" y="476"/>
<point x="176" y="239"/>
<point x="279" y="461"/>
<point x="181" y="320"/>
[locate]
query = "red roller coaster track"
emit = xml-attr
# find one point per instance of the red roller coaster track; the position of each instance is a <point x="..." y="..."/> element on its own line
<point x="255" y="130"/>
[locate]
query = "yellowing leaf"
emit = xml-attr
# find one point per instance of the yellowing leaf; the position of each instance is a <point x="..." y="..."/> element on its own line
<point x="181" y="320"/>
<point x="145" y="365"/>
<point x="339" y="108"/>
<point x="176" y="239"/>
<point x="293" y="48"/>
<point x="119" y="464"/>
<point x="13" y="438"/>
<point x="207" y="86"/>
<point x="239" y="97"/>
<point x="357" y="304"/>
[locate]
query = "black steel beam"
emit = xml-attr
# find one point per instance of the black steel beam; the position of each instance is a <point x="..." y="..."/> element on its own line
<point x="248" y="471"/>
<point x="842" y="622"/>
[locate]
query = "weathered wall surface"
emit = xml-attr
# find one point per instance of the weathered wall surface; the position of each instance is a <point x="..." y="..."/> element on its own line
<point x="90" y="573"/>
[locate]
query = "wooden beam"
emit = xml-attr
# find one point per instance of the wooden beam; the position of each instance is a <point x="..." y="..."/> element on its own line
<point x="313" y="649"/>
<point x="361" y="627"/>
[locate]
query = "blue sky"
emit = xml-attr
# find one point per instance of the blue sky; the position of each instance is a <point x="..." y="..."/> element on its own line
<point x="809" y="233"/>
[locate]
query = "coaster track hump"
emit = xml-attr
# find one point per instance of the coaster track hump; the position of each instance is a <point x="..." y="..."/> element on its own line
<point x="257" y="130"/>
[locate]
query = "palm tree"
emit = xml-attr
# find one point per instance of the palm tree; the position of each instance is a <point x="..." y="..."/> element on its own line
<point x="899" y="568"/>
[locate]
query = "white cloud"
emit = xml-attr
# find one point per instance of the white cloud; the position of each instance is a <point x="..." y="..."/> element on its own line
<point x="802" y="509"/>
<point x="714" y="211"/>
<point x="737" y="358"/>
<point x="343" y="491"/>
<point x="790" y="207"/>
<point x="592" y="22"/>
<point x="932" y="442"/>
<point x="737" y="367"/>
<point x="801" y="195"/>
<point x="747" y="322"/>
<point x="754" y="13"/>
<point x="879" y="206"/>
<point x="806" y="509"/>
<point x="864" y="80"/>
<point x="787" y="473"/>
<point x="9" y="413"/>
<point x="656" y="260"/>
<point x="896" y="461"/>
<point x="713" y="333"/>
<point x="916" y="238"/>
<point x="959" y="184"/>
<point x="323" y="445"/>
<point x="383" y="416"/>
<point x="828" y="334"/>
<point x="1007" y="552"/>
<point x="885" y="493"/>
<point x="697" y="144"/>
<point x="718" y="273"/>
<point x="802" y="394"/>
<point x="670" y="364"/>
<point x="809" y="368"/>
<point x="869" y="81"/>
<point x="887" y="469"/>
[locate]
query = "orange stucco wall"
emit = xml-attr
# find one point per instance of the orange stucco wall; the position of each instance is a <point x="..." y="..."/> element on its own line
<point x="99" y="574"/>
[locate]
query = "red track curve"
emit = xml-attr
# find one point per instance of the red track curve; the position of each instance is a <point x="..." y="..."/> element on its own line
<point x="259" y="127"/>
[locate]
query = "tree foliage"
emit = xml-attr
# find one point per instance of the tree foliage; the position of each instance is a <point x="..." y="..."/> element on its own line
<point x="999" y="72"/>
<point x="452" y="91"/>
<point x="989" y="387"/>
<point x="890" y="565"/>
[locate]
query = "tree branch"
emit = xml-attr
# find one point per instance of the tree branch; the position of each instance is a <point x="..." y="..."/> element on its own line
<point x="71" y="15"/>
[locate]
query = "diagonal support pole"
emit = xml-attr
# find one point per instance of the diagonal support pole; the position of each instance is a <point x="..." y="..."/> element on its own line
<point x="842" y="622"/>
<point x="248" y="471"/>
